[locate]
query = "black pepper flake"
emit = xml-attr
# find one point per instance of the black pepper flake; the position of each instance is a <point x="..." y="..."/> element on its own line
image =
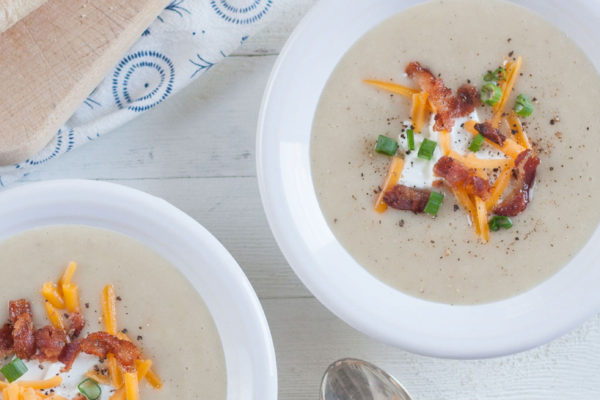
<point x="139" y="337"/>
<point x="516" y="238"/>
<point x="124" y="330"/>
<point x="509" y="40"/>
<point x="401" y="223"/>
<point x="511" y="53"/>
<point x="552" y="121"/>
<point x="66" y="315"/>
<point x="551" y="168"/>
<point x="87" y="305"/>
<point x="456" y="207"/>
<point x="119" y="298"/>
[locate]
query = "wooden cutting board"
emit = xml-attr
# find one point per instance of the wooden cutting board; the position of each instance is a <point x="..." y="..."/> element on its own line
<point x="51" y="60"/>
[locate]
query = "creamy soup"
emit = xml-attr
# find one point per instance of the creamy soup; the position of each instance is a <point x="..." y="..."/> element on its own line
<point x="440" y="258"/>
<point x="160" y="309"/>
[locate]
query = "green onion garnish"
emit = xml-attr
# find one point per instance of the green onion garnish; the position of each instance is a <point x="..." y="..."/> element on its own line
<point x="434" y="203"/>
<point x="476" y="143"/>
<point x="14" y="369"/>
<point x="499" y="221"/>
<point x="497" y="75"/>
<point x="410" y="135"/>
<point x="426" y="149"/>
<point x="386" y="145"/>
<point x="490" y="94"/>
<point x="90" y="389"/>
<point x="523" y="106"/>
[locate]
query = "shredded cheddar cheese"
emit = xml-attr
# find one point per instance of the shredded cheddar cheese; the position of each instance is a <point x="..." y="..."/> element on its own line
<point x="445" y="142"/>
<point x="51" y="293"/>
<point x="131" y="386"/>
<point x="68" y="274"/>
<point x="515" y="124"/>
<point x="499" y="186"/>
<point x="109" y="311"/>
<point x="482" y="219"/>
<point x="512" y="71"/>
<point x="54" y="316"/>
<point x="419" y="103"/>
<point x="394" y="173"/>
<point x="71" y="296"/>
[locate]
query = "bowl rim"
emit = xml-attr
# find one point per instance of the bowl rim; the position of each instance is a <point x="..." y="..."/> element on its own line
<point x="282" y="172"/>
<point x="243" y="330"/>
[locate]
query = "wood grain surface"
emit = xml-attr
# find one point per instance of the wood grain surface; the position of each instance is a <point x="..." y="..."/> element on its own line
<point x="52" y="59"/>
<point x="197" y="151"/>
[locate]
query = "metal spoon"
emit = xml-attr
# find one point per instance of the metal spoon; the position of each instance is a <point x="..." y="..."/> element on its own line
<point x="352" y="379"/>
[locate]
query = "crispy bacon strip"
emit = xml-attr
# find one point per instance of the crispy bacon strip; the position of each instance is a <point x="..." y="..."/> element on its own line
<point x="490" y="133"/>
<point x="458" y="176"/>
<point x="403" y="197"/>
<point x="50" y="343"/>
<point x="6" y="340"/>
<point x="101" y="344"/>
<point x="447" y="105"/>
<point x="516" y="202"/>
<point x="21" y="319"/>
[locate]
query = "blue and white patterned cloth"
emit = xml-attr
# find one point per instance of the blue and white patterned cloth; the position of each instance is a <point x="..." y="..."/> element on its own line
<point x="184" y="41"/>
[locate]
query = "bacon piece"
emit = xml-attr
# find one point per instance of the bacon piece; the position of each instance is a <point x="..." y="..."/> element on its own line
<point x="490" y="133"/>
<point x="6" y="340"/>
<point x="101" y="344"/>
<point x="403" y="197"/>
<point x="21" y="319"/>
<point x="448" y="107"/>
<point x="516" y="202"/>
<point x="75" y="324"/>
<point x="50" y="343"/>
<point x="458" y="176"/>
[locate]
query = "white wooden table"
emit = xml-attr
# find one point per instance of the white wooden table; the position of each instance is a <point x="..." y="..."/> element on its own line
<point x="197" y="151"/>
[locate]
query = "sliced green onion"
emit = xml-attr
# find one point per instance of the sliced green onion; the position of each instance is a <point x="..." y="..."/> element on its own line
<point x="523" y="106"/>
<point x="490" y="94"/>
<point x="386" y="145"/>
<point x="434" y="203"/>
<point x="499" y="221"/>
<point x="90" y="389"/>
<point x="14" y="369"/>
<point x="476" y="143"/>
<point x="410" y="135"/>
<point x="497" y="75"/>
<point x="426" y="149"/>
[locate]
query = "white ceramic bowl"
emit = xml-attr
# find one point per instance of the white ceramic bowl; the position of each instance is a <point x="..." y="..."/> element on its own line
<point x="238" y="316"/>
<point x="330" y="273"/>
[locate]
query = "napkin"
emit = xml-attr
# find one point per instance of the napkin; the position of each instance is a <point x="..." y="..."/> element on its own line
<point x="186" y="40"/>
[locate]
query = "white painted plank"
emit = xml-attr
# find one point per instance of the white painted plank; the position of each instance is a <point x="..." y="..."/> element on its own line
<point x="308" y="337"/>
<point x="208" y="129"/>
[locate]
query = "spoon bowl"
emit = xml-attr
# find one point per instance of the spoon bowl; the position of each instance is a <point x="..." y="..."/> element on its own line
<point x="353" y="379"/>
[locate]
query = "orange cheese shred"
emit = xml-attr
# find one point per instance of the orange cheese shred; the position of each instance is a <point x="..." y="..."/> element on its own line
<point x="393" y="174"/>
<point x="37" y="385"/>
<point x="399" y="89"/>
<point x="515" y="125"/>
<point x="71" y="296"/>
<point x="419" y="103"/>
<point x="109" y="309"/>
<point x="131" y="386"/>
<point x="445" y="142"/>
<point x="68" y="274"/>
<point x="54" y="316"/>
<point x="482" y="219"/>
<point x="512" y="71"/>
<point x="499" y="186"/>
<point x="51" y="293"/>
<point x="116" y="376"/>
<point x="472" y="161"/>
